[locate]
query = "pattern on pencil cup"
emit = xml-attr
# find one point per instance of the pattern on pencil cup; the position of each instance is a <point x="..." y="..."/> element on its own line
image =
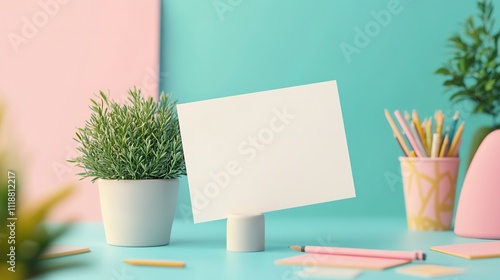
<point x="429" y="190"/>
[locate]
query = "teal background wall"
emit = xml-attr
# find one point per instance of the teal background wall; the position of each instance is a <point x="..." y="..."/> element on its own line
<point x="266" y="44"/>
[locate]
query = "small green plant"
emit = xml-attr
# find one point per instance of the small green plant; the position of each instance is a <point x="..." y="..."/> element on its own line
<point x="136" y="140"/>
<point x="24" y="239"/>
<point x="473" y="72"/>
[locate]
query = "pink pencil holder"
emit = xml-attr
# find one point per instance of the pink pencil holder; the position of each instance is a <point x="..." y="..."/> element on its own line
<point x="429" y="190"/>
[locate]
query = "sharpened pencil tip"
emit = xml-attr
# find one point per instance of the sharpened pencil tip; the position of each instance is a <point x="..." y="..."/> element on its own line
<point x="296" y="248"/>
<point x="408" y="116"/>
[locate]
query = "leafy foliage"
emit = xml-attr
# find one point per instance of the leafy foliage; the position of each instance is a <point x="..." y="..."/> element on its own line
<point x="473" y="70"/>
<point x="32" y="237"/>
<point x="136" y="140"/>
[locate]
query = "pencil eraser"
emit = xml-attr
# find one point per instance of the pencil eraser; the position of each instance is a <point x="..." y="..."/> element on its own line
<point x="245" y="233"/>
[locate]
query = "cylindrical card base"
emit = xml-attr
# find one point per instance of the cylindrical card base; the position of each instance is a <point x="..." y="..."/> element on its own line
<point x="245" y="233"/>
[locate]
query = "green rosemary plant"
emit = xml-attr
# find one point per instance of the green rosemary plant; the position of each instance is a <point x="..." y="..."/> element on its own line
<point x="133" y="141"/>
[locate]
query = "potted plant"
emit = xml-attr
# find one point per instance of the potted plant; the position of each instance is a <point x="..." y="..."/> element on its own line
<point x="134" y="150"/>
<point x="473" y="74"/>
<point x="473" y="71"/>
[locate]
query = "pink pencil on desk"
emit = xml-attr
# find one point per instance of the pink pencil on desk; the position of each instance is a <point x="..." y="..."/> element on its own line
<point x="402" y="255"/>
<point x="408" y="133"/>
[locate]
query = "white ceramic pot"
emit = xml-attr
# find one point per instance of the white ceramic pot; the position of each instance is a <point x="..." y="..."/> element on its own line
<point x="138" y="212"/>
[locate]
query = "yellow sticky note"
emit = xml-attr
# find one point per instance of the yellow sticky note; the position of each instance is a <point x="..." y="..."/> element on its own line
<point x="429" y="270"/>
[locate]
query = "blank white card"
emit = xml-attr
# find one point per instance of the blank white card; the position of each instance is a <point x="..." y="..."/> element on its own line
<point x="265" y="151"/>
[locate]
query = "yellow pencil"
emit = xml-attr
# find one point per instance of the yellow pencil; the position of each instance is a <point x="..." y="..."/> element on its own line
<point x="428" y="135"/>
<point x="444" y="146"/>
<point x="456" y="139"/>
<point x="424" y="126"/>
<point x="419" y="128"/>
<point x="439" y="122"/>
<point x="397" y="134"/>
<point x="156" y="263"/>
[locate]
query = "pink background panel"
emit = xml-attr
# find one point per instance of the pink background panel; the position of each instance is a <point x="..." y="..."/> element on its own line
<point x="54" y="56"/>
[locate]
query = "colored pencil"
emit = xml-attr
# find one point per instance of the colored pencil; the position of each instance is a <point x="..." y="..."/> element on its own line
<point x="428" y="135"/>
<point x="420" y="131"/>
<point x="406" y="129"/>
<point x="444" y="146"/>
<point x="439" y="122"/>
<point x="456" y="138"/>
<point x="454" y="126"/>
<point x="420" y="145"/>
<point x="407" y="117"/>
<point x="397" y="134"/>
<point x="407" y="142"/>
<point x="156" y="263"/>
<point x="424" y="139"/>
<point x="435" y="145"/>
<point x="403" y="255"/>
<point x="401" y="146"/>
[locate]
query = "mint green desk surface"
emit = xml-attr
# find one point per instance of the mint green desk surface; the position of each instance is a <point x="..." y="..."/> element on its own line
<point x="202" y="247"/>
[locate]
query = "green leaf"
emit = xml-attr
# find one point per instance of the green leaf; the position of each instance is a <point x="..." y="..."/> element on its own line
<point x="458" y="42"/>
<point x="455" y="81"/>
<point x="460" y="95"/>
<point x="462" y="66"/>
<point x="442" y="71"/>
<point x="481" y="6"/>
<point x="470" y="22"/>
<point x="489" y="85"/>
<point x="449" y="82"/>
<point x="492" y="64"/>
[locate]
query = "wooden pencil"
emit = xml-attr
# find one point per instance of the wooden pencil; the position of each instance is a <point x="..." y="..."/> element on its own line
<point x="420" y="131"/>
<point x="456" y="139"/>
<point x="439" y="122"/>
<point x="156" y="263"/>
<point x="397" y="134"/>
<point x="444" y="147"/>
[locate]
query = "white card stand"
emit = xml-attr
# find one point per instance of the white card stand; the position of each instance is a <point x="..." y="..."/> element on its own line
<point x="245" y="233"/>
